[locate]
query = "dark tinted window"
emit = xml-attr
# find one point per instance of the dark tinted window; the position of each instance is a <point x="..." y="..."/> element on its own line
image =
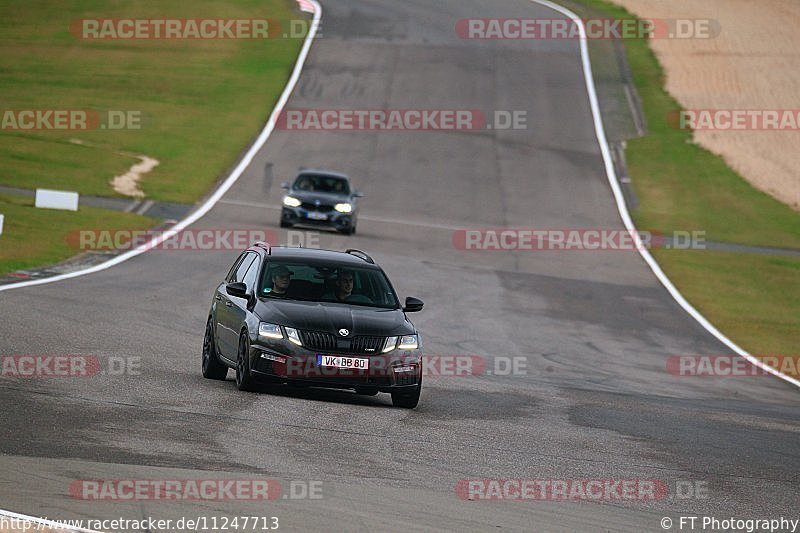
<point x="234" y="266"/>
<point x="314" y="183"/>
<point x="251" y="277"/>
<point x="241" y="269"/>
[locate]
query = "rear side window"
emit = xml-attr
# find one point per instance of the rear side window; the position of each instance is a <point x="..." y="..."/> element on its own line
<point x="251" y="277"/>
<point x="239" y="269"/>
<point x="232" y="271"/>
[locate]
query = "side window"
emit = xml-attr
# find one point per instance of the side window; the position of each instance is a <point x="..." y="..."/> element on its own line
<point x="242" y="268"/>
<point x="232" y="271"/>
<point x="252" y="275"/>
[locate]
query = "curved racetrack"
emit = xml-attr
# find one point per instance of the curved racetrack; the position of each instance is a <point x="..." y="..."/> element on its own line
<point x="595" y="328"/>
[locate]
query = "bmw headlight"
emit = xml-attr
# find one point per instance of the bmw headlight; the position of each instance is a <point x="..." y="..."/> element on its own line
<point x="269" y="331"/>
<point x="408" y="342"/>
<point x="291" y="201"/>
<point x="344" y="208"/>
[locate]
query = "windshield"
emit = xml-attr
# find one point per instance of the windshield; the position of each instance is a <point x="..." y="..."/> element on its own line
<point x="314" y="183"/>
<point x="327" y="282"/>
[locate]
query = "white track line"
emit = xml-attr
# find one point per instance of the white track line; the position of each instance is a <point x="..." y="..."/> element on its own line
<point x="623" y="210"/>
<point x="221" y="190"/>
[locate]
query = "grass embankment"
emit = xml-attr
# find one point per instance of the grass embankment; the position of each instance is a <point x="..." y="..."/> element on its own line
<point x="200" y="101"/>
<point x="753" y="299"/>
<point x="33" y="237"/>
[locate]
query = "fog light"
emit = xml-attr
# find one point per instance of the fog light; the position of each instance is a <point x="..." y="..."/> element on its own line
<point x="270" y="357"/>
<point x="404" y="369"/>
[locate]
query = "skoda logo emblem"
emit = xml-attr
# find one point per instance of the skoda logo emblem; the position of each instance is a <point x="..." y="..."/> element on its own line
<point x="344" y="332"/>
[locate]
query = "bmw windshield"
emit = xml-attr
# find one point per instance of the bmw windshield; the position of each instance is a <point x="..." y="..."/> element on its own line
<point x="326" y="184"/>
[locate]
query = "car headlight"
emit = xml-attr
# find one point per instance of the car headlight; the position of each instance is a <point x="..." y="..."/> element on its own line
<point x="389" y="345"/>
<point x="270" y="331"/>
<point x="344" y="208"/>
<point x="291" y="201"/>
<point x="408" y="342"/>
<point x="293" y="336"/>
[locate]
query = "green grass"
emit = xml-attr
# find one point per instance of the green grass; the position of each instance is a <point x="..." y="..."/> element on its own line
<point x="755" y="300"/>
<point x="201" y="102"/>
<point x="34" y="237"/>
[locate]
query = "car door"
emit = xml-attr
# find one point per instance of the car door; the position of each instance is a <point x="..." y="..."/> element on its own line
<point x="227" y="319"/>
<point x="237" y="311"/>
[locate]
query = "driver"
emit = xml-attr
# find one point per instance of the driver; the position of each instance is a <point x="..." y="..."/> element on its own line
<point x="281" y="277"/>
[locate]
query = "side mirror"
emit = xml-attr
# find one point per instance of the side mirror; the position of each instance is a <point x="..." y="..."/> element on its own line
<point x="285" y="185"/>
<point x="358" y="194"/>
<point x="413" y="305"/>
<point x="238" y="289"/>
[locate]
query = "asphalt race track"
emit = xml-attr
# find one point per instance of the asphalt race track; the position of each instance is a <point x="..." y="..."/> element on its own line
<point x="594" y="328"/>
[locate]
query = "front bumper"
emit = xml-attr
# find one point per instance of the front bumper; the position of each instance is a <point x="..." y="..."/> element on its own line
<point x="333" y="219"/>
<point x="397" y="370"/>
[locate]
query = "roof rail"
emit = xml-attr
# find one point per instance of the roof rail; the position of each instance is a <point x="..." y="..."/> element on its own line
<point x="360" y="254"/>
<point x="264" y="245"/>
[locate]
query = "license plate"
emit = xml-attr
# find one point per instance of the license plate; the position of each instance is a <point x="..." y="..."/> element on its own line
<point x="338" y="361"/>
<point x="313" y="215"/>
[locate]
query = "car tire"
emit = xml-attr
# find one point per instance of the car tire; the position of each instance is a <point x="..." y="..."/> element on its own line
<point x="212" y="367"/>
<point x="285" y="224"/>
<point x="407" y="400"/>
<point x="244" y="378"/>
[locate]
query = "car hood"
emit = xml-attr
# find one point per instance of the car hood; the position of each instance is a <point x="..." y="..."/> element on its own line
<point x="331" y="317"/>
<point x="323" y="197"/>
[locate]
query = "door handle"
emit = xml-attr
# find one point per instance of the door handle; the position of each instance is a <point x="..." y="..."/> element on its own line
<point x="228" y="304"/>
<point x="218" y="298"/>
